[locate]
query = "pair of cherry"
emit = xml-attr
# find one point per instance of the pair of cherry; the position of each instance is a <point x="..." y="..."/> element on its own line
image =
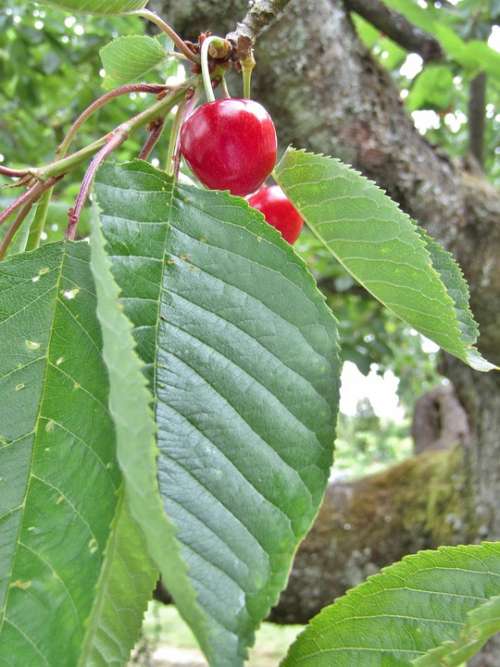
<point x="230" y="144"/>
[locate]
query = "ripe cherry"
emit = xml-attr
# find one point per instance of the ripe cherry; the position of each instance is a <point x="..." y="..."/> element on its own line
<point x="279" y="211"/>
<point x="230" y="144"/>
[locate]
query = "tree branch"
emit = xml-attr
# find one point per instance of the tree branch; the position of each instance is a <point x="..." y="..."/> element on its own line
<point x="477" y="116"/>
<point x="398" y="28"/>
<point x="117" y="138"/>
<point x="258" y="17"/>
<point x="154" y="89"/>
<point x="11" y="232"/>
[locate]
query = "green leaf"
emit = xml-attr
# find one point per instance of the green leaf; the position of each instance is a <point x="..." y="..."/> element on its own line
<point x="125" y="586"/>
<point x="381" y="247"/>
<point x="387" y="52"/>
<point x="246" y="379"/>
<point x="368" y="34"/>
<point x="473" y="55"/>
<point x="98" y="6"/>
<point x="59" y="478"/>
<point x="130" y="400"/>
<point x="433" y="89"/>
<point x="433" y="609"/>
<point x="128" y="58"/>
<point x="451" y="275"/>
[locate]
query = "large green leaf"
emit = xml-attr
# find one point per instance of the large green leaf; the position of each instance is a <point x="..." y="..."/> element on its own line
<point x="59" y="479"/>
<point x="433" y="609"/>
<point x="242" y="352"/>
<point x="383" y="249"/>
<point x="128" y="58"/>
<point x="98" y="6"/>
<point x="129" y="401"/>
<point x="124" y="588"/>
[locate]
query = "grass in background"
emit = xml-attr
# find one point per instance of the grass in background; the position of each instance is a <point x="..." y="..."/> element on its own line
<point x="168" y="642"/>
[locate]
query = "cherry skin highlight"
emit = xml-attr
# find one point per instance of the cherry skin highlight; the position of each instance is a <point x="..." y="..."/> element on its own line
<point x="230" y="144"/>
<point x="279" y="211"/>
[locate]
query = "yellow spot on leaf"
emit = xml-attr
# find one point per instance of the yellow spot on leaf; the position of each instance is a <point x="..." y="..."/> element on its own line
<point x="23" y="585"/>
<point x="71" y="293"/>
<point x="32" y="345"/>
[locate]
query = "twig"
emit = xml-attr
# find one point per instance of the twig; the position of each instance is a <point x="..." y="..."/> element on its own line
<point x="13" y="173"/>
<point x="398" y="28"/>
<point x="173" y="152"/>
<point x="13" y="229"/>
<point x="63" y="165"/>
<point x="154" y="89"/>
<point x="118" y="137"/>
<point x="155" y="131"/>
<point x="28" y="197"/>
<point x="49" y="175"/>
<point x="259" y="16"/>
<point x="168" y="30"/>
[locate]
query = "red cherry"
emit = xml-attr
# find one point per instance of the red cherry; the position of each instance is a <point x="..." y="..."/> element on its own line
<point x="230" y="144"/>
<point x="279" y="211"/>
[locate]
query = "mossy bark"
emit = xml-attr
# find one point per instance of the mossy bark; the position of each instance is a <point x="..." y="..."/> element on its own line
<point x="364" y="525"/>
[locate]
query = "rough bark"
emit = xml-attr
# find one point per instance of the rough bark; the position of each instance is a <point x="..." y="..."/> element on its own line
<point x="327" y="94"/>
<point x="477" y="117"/>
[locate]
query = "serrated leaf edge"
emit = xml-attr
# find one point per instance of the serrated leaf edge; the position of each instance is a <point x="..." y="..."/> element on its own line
<point x="471" y="355"/>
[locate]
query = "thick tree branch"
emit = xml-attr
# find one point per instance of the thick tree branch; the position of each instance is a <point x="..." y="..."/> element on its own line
<point x="398" y="28"/>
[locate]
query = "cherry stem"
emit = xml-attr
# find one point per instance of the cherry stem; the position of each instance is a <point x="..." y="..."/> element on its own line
<point x="13" y="229"/>
<point x="111" y="142"/>
<point x="205" y="69"/>
<point x="225" y="89"/>
<point x="28" y="197"/>
<point x="247" y="67"/>
<point x="63" y="165"/>
<point x="40" y="218"/>
<point x="154" y="89"/>
<point x="118" y="136"/>
<point x="13" y="173"/>
<point x="173" y="162"/>
<point x="155" y="131"/>
<point x="168" y="30"/>
<point x="54" y="171"/>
